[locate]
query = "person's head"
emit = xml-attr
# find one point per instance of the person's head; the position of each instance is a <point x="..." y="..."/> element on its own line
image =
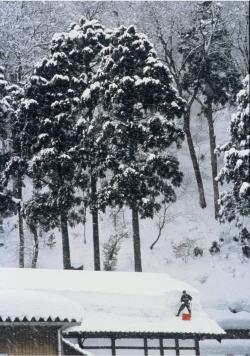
<point x="184" y="292"/>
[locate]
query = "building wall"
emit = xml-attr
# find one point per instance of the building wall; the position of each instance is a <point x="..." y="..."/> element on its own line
<point x="24" y="340"/>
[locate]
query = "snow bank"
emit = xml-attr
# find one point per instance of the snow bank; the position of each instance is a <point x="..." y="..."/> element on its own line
<point x="35" y="305"/>
<point x="226" y="347"/>
<point x="228" y="320"/>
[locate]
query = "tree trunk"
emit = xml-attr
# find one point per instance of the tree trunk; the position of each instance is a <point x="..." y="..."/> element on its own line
<point x="65" y="242"/>
<point x="21" y="238"/>
<point x="194" y="159"/>
<point x="1" y="231"/>
<point x="19" y="195"/>
<point x="212" y="141"/>
<point x="36" y="246"/>
<point x="95" y="225"/>
<point x="136" y="240"/>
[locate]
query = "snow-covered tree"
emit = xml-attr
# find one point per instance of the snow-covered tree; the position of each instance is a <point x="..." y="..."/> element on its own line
<point x="4" y="109"/>
<point x="166" y="34"/>
<point x="91" y="147"/>
<point x="52" y="111"/>
<point x="234" y="201"/>
<point x="209" y="68"/>
<point x="141" y="107"/>
<point x="238" y="21"/>
<point x="12" y="163"/>
<point x="25" y="32"/>
<point x="27" y="27"/>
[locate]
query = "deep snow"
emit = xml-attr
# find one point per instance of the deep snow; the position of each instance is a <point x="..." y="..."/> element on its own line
<point x="223" y="279"/>
<point x="27" y="304"/>
<point x="118" y="301"/>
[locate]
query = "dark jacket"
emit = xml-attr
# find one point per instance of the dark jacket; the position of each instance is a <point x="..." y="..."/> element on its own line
<point x="186" y="298"/>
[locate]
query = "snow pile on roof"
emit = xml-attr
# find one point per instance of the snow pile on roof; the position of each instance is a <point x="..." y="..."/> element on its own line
<point x="19" y="305"/>
<point x="101" y="321"/>
<point x="120" y="283"/>
<point x="117" y="301"/>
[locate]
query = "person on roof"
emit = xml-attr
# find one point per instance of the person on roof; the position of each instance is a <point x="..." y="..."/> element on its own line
<point x="185" y="302"/>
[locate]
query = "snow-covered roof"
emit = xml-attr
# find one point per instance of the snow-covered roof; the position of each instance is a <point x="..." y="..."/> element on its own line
<point x="31" y="306"/>
<point x="116" y="301"/>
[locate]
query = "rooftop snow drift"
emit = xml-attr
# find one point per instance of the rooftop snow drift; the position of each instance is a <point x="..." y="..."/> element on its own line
<point x="114" y="301"/>
<point x="19" y="305"/>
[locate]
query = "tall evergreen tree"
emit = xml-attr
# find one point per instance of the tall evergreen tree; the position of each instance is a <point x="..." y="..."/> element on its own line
<point x="141" y="106"/>
<point x="4" y="111"/>
<point x="94" y="157"/>
<point x="210" y="68"/>
<point x="234" y="201"/>
<point x="91" y="146"/>
<point x="13" y="165"/>
<point x="52" y="110"/>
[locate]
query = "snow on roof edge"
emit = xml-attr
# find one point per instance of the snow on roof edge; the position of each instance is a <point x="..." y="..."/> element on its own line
<point x="76" y="347"/>
<point x="18" y="305"/>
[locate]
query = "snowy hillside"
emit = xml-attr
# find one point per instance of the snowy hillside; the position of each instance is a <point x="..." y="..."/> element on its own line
<point x="135" y="109"/>
<point x="223" y="279"/>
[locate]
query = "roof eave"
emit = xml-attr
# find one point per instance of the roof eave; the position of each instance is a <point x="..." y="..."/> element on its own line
<point x="136" y="334"/>
<point x="39" y="323"/>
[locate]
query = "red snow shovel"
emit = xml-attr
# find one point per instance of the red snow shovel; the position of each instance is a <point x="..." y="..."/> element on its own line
<point x="186" y="317"/>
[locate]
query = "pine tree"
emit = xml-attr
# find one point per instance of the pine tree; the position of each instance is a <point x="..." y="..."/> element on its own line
<point x="141" y="107"/>
<point x="4" y="109"/>
<point x="91" y="146"/>
<point x="210" y="68"/>
<point x="13" y="165"/>
<point x="52" y="111"/>
<point x="93" y="152"/>
<point x="234" y="201"/>
<point x="3" y="134"/>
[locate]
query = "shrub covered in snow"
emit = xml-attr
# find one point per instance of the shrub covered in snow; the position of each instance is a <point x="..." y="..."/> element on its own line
<point x="184" y="249"/>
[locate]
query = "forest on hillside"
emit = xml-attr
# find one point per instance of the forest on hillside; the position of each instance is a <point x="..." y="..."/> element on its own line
<point x="103" y="105"/>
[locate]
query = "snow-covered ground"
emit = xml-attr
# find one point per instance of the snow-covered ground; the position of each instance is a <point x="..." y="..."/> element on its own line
<point x="226" y="347"/>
